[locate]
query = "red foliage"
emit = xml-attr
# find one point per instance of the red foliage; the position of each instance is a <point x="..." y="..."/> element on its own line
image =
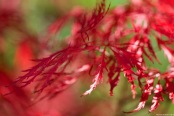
<point x="114" y="43"/>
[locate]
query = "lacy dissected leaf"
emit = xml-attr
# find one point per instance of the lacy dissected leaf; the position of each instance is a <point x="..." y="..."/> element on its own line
<point x="157" y="98"/>
<point x="99" y="73"/>
<point x="147" y="90"/>
<point x="48" y="69"/>
<point x="90" y="22"/>
<point x="114" y="76"/>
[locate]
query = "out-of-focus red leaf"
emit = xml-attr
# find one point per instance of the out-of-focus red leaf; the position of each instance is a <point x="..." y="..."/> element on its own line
<point x="17" y="102"/>
<point x="23" y="55"/>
